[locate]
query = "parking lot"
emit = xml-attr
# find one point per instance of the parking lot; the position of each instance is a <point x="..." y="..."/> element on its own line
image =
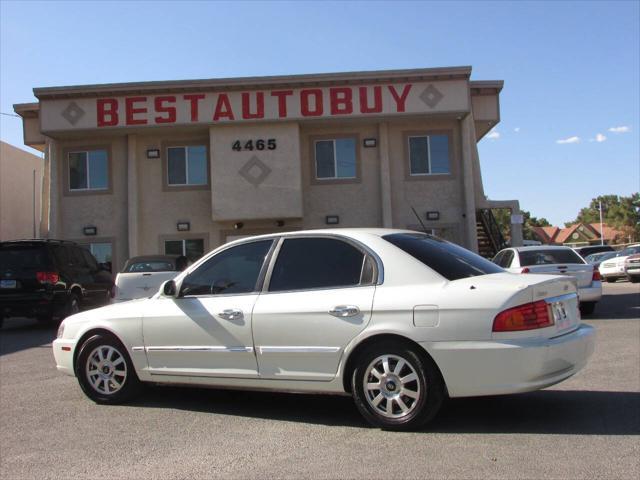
<point x="586" y="427"/>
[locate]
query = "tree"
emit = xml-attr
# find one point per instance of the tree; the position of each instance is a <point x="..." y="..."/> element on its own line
<point x="621" y="213"/>
<point x="503" y="218"/>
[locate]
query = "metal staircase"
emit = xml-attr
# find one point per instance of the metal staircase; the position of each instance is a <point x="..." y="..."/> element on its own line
<point x="490" y="239"/>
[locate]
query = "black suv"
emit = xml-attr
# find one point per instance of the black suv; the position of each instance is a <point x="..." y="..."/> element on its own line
<point x="50" y="279"/>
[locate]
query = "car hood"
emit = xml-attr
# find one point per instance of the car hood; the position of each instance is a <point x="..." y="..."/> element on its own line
<point x="132" y="308"/>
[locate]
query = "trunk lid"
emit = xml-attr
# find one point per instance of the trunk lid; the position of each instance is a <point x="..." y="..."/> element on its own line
<point x="582" y="273"/>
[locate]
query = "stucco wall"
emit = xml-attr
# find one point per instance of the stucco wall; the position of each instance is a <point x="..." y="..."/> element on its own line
<point x="17" y="192"/>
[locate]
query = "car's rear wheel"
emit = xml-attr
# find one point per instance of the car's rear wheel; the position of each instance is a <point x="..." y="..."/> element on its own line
<point x="105" y="372"/>
<point x="396" y="388"/>
<point x="610" y="279"/>
<point x="587" y="308"/>
<point x="634" y="279"/>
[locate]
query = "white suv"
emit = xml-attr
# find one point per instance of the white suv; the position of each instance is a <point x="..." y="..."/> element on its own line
<point x="613" y="269"/>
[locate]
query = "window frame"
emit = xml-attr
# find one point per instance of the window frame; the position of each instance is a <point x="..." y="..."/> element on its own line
<point x="86" y="243"/>
<point x="258" y="287"/>
<point x="378" y="274"/>
<point x="183" y="239"/>
<point x="68" y="191"/>
<point x="197" y="142"/>
<point x="313" y="139"/>
<point x="430" y="176"/>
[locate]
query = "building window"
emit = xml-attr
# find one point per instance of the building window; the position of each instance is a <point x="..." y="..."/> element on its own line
<point x="335" y="159"/>
<point x="192" y="248"/>
<point x="101" y="251"/>
<point x="88" y="170"/>
<point x="429" y="155"/>
<point x="187" y="165"/>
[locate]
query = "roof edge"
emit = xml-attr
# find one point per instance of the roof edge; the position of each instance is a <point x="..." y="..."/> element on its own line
<point x="378" y="75"/>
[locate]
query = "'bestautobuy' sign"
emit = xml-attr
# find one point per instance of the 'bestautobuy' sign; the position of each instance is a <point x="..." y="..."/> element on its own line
<point x="254" y="105"/>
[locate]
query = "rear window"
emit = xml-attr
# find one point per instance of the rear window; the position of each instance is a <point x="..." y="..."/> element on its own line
<point x="21" y="258"/>
<point x="448" y="259"/>
<point x="549" y="257"/>
<point x="153" y="266"/>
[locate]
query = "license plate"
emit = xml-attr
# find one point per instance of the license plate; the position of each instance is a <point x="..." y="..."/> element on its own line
<point x="561" y="315"/>
<point x="8" y="284"/>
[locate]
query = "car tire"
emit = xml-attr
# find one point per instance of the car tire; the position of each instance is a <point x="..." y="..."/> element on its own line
<point x="610" y="279"/>
<point x="72" y="306"/>
<point x="105" y="371"/>
<point x="631" y="279"/>
<point x="383" y="403"/>
<point x="587" y="308"/>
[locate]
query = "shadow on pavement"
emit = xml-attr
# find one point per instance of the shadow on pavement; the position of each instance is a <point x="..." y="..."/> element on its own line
<point x="617" y="307"/>
<point x="21" y="333"/>
<point x="543" y="412"/>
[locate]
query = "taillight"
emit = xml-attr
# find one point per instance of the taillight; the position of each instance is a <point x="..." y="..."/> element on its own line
<point x="523" y="317"/>
<point x="50" y="278"/>
<point x="525" y="270"/>
<point x="596" y="275"/>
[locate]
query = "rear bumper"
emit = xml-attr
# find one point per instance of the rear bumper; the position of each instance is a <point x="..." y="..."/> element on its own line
<point x="590" y="294"/>
<point x="31" y="304"/>
<point x="511" y="366"/>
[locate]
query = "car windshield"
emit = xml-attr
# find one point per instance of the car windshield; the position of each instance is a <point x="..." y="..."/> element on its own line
<point x="599" y="257"/>
<point x="629" y="251"/>
<point x="448" y="259"/>
<point x="152" y="266"/>
<point x="549" y="257"/>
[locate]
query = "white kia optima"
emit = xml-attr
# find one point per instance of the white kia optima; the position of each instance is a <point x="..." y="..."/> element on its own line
<point x="398" y="319"/>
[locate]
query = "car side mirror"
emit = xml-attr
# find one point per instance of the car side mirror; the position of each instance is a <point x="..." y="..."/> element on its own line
<point x="169" y="288"/>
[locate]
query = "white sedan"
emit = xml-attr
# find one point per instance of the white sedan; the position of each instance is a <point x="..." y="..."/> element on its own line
<point x="398" y="319"/>
<point x="556" y="260"/>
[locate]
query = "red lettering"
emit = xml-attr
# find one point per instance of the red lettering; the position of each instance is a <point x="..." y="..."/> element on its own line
<point x="304" y="102"/>
<point x="169" y="110"/>
<point x="377" y="100"/>
<point x="223" y="108"/>
<point x="246" y="106"/>
<point x="131" y="110"/>
<point x="107" y="112"/>
<point x="400" y="99"/>
<point x="341" y="103"/>
<point x="194" y="99"/>
<point x="282" y="101"/>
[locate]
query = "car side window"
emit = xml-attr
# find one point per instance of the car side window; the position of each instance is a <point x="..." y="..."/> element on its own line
<point x="234" y="270"/>
<point x="506" y="260"/>
<point x="90" y="260"/>
<point x="498" y="258"/>
<point x="314" y="263"/>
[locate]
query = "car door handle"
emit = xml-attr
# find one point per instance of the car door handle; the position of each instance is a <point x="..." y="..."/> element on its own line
<point x="344" y="311"/>
<point x="230" y="314"/>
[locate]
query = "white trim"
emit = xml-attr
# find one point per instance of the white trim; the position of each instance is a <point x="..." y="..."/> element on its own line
<point x="198" y="348"/>
<point x="283" y="349"/>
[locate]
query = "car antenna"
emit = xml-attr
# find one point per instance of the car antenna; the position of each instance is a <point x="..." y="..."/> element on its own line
<point x="419" y="219"/>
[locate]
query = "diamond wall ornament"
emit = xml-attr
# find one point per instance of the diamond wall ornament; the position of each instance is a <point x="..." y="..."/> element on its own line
<point x="255" y="171"/>
<point x="431" y="96"/>
<point x="73" y="113"/>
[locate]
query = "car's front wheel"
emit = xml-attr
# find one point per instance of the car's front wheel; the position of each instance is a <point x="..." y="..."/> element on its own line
<point x="105" y="371"/>
<point x="396" y="388"/>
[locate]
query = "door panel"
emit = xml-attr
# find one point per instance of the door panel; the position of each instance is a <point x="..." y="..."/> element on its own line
<point x="189" y="336"/>
<point x="297" y="338"/>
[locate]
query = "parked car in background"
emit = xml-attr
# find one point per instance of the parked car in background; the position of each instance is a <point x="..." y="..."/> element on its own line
<point x="632" y="268"/>
<point x="142" y="276"/>
<point x="589" y="249"/>
<point x="397" y="319"/>
<point x="555" y="260"/>
<point x="49" y="280"/>
<point x="613" y="268"/>
<point x="596" y="259"/>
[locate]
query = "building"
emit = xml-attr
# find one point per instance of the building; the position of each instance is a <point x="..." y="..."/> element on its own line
<point x="20" y="193"/>
<point x="184" y="166"/>
<point x="581" y="234"/>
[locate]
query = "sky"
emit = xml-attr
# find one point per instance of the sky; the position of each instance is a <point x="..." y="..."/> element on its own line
<point x="570" y="107"/>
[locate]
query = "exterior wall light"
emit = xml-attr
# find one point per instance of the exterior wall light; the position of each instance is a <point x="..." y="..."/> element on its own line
<point x="90" y="231"/>
<point x="370" y="142"/>
<point x="238" y="225"/>
<point x="153" y="153"/>
<point x="332" y="219"/>
<point x="433" y="215"/>
<point x="183" y="226"/>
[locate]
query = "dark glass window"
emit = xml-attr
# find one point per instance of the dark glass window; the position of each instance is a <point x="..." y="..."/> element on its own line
<point x="187" y="165"/>
<point x="150" y="266"/>
<point x="306" y="263"/>
<point x="192" y="248"/>
<point x="234" y="270"/>
<point x="507" y="259"/>
<point x="88" y="170"/>
<point x="549" y="257"/>
<point x="448" y="259"/>
<point x="18" y="258"/>
<point x="429" y="155"/>
<point x="336" y="158"/>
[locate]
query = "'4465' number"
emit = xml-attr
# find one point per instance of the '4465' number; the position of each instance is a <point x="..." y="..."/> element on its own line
<point x="260" y="144"/>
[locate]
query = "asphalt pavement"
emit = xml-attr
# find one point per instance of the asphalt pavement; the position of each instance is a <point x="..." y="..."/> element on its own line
<point x="585" y="427"/>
